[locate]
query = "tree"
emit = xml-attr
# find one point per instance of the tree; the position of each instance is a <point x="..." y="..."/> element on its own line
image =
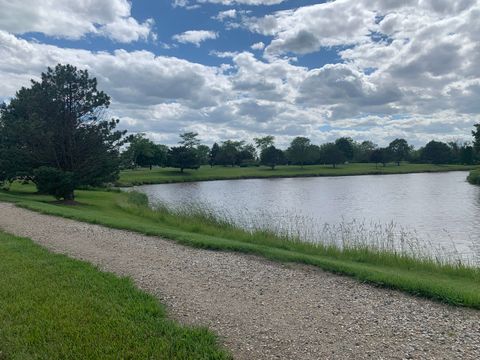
<point x="212" y="159"/>
<point x="467" y="154"/>
<point x="345" y="145"/>
<point x="298" y="152"/>
<point x="203" y="152"/>
<point x="246" y="155"/>
<point x="183" y="157"/>
<point x="57" y="122"/>
<point x="264" y="142"/>
<point x="380" y="156"/>
<point x="363" y="151"/>
<point x="436" y="152"/>
<point x="331" y="154"/>
<point x="476" y="138"/>
<point x="229" y="152"/>
<point x="189" y="139"/>
<point x="271" y="156"/>
<point x="400" y="150"/>
<point x="140" y="152"/>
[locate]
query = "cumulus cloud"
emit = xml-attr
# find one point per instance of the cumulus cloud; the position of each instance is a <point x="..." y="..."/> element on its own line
<point x="407" y="69"/>
<point x="227" y="14"/>
<point x="195" y="36"/>
<point x="193" y="3"/>
<point x="74" y="19"/>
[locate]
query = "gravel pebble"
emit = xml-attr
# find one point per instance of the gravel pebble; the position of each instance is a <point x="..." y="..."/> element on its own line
<point x="261" y="309"/>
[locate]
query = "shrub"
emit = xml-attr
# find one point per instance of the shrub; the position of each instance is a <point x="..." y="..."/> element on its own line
<point x="474" y="177"/>
<point x="53" y="181"/>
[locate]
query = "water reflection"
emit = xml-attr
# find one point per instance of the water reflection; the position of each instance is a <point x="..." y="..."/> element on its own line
<point x="442" y="208"/>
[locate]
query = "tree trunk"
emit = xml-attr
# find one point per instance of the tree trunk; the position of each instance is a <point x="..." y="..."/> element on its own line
<point x="70" y="196"/>
<point x="334" y="166"/>
<point x="181" y="170"/>
<point x="150" y="166"/>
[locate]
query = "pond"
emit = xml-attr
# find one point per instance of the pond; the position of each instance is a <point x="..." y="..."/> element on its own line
<point x="437" y="208"/>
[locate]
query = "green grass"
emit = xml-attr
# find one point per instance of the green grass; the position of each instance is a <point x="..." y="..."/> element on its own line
<point x="455" y="284"/>
<point x="54" y="307"/>
<point x="474" y="177"/>
<point x="169" y="175"/>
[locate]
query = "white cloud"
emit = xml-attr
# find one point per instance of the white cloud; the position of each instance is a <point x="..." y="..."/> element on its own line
<point x="195" y="36"/>
<point x="258" y="46"/>
<point x="227" y="14"/>
<point x="192" y="3"/>
<point x="409" y="68"/>
<point x="74" y="19"/>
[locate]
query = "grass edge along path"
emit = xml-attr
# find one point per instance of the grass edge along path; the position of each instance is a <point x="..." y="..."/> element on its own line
<point x="206" y="173"/>
<point x="452" y="284"/>
<point x="55" y="307"/>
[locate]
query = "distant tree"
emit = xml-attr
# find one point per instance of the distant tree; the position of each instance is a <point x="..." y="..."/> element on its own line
<point x="160" y="155"/>
<point x="271" y="156"/>
<point x="58" y="123"/>
<point x="140" y="151"/>
<point x="437" y="152"/>
<point x="299" y="150"/>
<point x="189" y="139"/>
<point x="400" y="150"/>
<point x="214" y="151"/>
<point x="345" y="145"/>
<point x="229" y="152"/>
<point x="264" y="142"/>
<point x="246" y="154"/>
<point x="467" y="154"/>
<point x="380" y="156"/>
<point x="183" y="157"/>
<point x="476" y="138"/>
<point x="363" y="151"/>
<point x="331" y="154"/>
<point x="203" y="152"/>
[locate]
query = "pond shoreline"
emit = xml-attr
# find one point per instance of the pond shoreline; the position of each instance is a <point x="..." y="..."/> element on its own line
<point x="262" y="309"/>
<point x="130" y="178"/>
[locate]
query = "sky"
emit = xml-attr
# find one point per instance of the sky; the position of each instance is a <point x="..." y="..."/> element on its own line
<point x="237" y="69"/>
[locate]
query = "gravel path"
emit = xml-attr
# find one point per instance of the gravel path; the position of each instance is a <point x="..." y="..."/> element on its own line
<point x="261" y="309"/>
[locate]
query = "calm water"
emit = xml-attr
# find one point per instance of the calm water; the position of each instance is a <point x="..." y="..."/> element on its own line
<point x="441" y="208"/>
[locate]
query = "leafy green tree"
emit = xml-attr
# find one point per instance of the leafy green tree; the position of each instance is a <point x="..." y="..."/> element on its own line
<point x="467" y="154"/>
<point x="183" y="157"/>
<point x="362" y="151"/>
<point x="476" y="138"/>
<point x="345" y="145"/>
<point x="331" y="154"/>
<point x="203" y="152"/>
<point x="247" y="155"/>
<point x="400" y="150"/>
<point x="229" y="152"/>
<point x="271" y="156"/>
<point x="160" y="155"/>
<point x="299" y="151"/>
<point x="189" y="139"/>
<point x="380" y="156"/>
<point x="264" y="142"/>
<point x="437" y="152"/>
<point x="214" y="151"/>
<point x="57" y="122"/>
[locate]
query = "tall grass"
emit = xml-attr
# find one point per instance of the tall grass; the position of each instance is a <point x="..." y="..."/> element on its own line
<point x="384" y="244"/>
<point x="474" y="177"/>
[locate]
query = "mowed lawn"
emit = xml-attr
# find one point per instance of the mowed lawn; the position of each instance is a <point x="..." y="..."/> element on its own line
<point x="169" y="175"/>
<point x="54" y="307"/>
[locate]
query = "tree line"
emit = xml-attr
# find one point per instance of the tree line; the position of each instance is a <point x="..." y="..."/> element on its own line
<point x="191" y="154"/>
<point x="55" y="134"/>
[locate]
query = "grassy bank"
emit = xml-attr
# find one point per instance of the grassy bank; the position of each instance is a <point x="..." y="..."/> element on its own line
<point x="170" y="175"/>
<point x="452" y="283"/>
<point x="474" y="177"/>
<point x="54" y="307"/>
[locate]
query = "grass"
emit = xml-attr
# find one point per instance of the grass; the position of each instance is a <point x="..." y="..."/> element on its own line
<point x="474" y="177"/>
<point x="170" y="175"/>
<point x="54" y="307"/>
<point x="453" y="283"/>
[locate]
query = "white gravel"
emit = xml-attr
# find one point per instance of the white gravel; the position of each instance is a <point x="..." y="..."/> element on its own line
<point x="261" y="309"/>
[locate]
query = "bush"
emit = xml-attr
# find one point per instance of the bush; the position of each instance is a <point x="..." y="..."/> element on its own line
<point x="474" y="177"/>
<point x="53" y="181"/>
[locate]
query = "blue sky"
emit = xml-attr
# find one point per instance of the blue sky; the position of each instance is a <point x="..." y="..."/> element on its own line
<point x="368" y="69"/>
